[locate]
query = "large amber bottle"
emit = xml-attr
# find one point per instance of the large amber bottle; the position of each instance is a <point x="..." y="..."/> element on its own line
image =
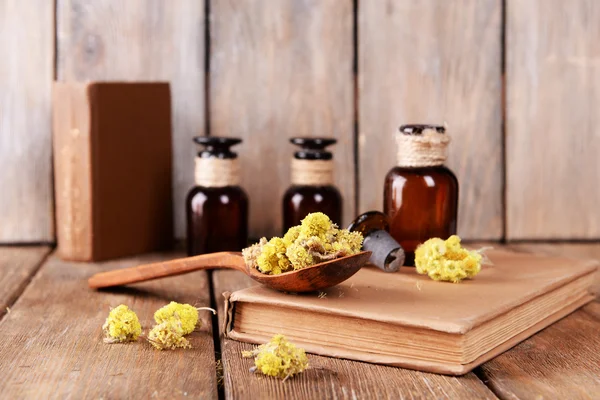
<point x="312" y="188"/>
<point x="217" y="207"/>
<point x="420" y="193"/>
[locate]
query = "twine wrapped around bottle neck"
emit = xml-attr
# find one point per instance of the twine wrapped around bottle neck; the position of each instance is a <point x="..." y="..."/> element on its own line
<point x="312" y="172"/>
<point x="217" y="172"/>
<point x="426" y="149"/>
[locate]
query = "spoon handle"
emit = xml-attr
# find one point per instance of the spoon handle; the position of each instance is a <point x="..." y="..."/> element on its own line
<point x="163" y="269"/>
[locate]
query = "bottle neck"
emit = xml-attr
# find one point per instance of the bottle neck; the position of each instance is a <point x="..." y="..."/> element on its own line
<point x="312" y="172"/>
<point x="427" y="149"/>
<point x="217" y="172"/>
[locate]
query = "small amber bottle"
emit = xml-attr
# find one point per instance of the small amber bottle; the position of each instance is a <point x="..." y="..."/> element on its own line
<point x="312" y="187"/>
<point x="217" y="207"/>
<point x="420" y="193"/>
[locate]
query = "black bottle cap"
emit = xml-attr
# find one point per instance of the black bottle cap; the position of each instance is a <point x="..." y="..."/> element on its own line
<point x="417" y="129"/>
<point x="313" y="148"/>
<point x="217" y="146"/>
<point x="386" y="252"/>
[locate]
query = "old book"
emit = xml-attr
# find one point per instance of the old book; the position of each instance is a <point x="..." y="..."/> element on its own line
<point x="407" y="320"/>
<point x="112" y="169"/>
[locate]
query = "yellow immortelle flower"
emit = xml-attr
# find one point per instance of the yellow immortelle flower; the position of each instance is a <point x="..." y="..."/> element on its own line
<point x="447" y="260"/>
<point x="316" y="240"/>
<point x="315" y="224"/>
<point x="291" y="235"/>
<point x="278" y="358"/>
<point x="173" y="322"/>
<point x="168" y="335"/>
<point x="272" y="259"/>
<point x="347" y="242"/>
<point x="186" y="314"/>
<point x="122" y="325"/>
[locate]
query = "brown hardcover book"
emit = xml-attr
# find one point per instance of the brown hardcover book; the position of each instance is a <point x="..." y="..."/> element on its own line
<point x="408" y="320"/>
<point x="112" y="169"/>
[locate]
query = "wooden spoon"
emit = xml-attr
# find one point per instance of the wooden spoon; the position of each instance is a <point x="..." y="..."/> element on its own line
<point x="316" y="277"/>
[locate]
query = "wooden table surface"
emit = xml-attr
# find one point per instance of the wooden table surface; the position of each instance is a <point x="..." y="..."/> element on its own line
<point x="51" y="345"/>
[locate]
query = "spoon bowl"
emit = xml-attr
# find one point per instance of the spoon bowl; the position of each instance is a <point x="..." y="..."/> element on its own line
<point x="316" y="277"/>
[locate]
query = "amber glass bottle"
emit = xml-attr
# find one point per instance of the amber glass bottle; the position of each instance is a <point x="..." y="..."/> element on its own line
<point x="217" y="207"/>
<point x="312" y="187"/>
<point x="420" y="193"/>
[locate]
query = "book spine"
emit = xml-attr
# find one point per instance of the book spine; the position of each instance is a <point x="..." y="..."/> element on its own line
<point x="72" y="173"/>
<point x="228" y="311"/>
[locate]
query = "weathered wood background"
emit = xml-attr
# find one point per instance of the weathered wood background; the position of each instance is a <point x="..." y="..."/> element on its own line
<point x="517" y="82"/>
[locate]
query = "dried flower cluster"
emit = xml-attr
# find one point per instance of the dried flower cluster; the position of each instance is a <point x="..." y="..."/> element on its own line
<point x="173" y="322"/>
<point x="316" y="240"/>
<point x="278" y="358"/>
<point x="184" y="313"/>
<point x="447" y="260"/>
<point x="122" y="325"/>
<point x="168" y="335"/>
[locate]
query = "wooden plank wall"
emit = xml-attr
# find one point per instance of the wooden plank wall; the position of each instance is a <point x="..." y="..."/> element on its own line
<point x="286" y="68"/>
<point x="26" y="74"/>
<point x="434" y="61"/>
<point x="280" y="69"/>
<point x="147" y="40"/>
<point x="553" y="123"/>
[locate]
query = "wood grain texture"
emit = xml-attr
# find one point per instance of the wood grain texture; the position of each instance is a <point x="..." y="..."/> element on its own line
<point x="26" y="74"/>
<point x="561" y="362"/>
<point x="434" y="61"/>
<point x="142" y="40"/>
<point x="52" y="339"/>
<point x="332" y="378"/>
<point x="280" y="69"/>
<point x="552" y="136"/>
<point x="17" y="266"/>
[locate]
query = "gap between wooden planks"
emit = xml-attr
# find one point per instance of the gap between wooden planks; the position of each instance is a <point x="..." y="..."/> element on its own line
<point x="52" y="338"/>
<point x="17" y="267"/>
<point x="334" y="378"/>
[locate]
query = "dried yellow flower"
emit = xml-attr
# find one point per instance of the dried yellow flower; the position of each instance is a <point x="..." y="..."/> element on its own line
<point x="173" y="322"/>
<point x="278" y="358"/>
<point x="291" y="235"/>
<point x="168" y="335"/>
<point x="185" y="313"/>
<point x="447" y="260"/>
<point x="316" y="240"/>
<point x="122" y="325"/>
<point x="252" y="253"/>
<point x="272" y="259"/>
<point x="315" y="224"/>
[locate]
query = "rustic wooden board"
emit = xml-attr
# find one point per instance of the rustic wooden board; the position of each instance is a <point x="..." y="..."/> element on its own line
<point x="280" y="69"/>
<point x="17" y="266"/>
<point x="52" y="339"/>
<point x="334" y="378"/>
<point x="561" y="362"/>
<point x="142" y="40"/>
<point x="26" y="74"/>
<point x="433" y="62"/>
<point x="552" y="137"/>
